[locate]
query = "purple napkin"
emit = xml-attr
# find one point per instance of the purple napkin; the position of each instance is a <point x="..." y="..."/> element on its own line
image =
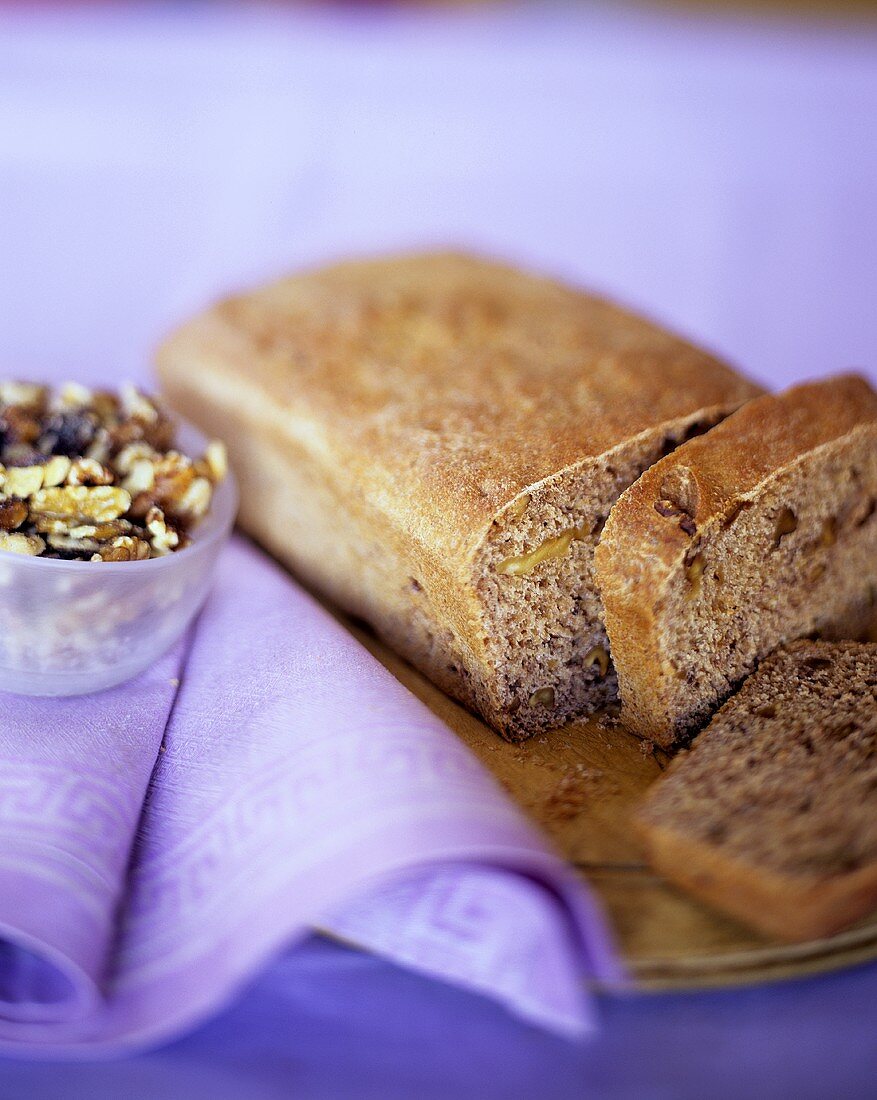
<point x="159" y="841"/>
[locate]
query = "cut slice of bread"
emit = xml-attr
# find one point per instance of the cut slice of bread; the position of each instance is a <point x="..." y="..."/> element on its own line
<point x="761" y="531"/>
<point x="772" y="815"/>
<point x="434" y="443"/>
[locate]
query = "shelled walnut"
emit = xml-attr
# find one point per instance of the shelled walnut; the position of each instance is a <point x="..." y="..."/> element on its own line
<point x="93" y="476"/>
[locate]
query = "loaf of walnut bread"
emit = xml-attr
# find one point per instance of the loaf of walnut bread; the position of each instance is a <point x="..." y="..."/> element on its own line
<point x="434" y="442"/>
<point x="772" y="815"/>
<point x="759" y="532"/>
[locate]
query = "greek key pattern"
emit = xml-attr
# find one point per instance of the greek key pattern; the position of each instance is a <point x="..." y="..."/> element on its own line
<point x="63" y="825"/>
<point x="284" y="818"/>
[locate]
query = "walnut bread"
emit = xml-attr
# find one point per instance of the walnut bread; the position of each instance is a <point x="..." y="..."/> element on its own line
<point x="759" y="532"/>
<point x="434" y="442"/>
<point x="772" y="815"/>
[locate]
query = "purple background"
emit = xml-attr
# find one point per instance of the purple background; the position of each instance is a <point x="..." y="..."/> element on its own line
<point x="718" y="173"/>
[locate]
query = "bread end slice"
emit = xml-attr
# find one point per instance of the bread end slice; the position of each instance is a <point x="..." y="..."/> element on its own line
<point x="772" y="815"/>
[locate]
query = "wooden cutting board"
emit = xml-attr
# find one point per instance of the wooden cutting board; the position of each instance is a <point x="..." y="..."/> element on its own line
<point x="580" y="784"/>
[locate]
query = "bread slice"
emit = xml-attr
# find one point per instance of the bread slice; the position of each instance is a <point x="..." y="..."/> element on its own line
<point x="434" y="442"/>
<point x="772" y="815"/>
<point x="761" y="531"/>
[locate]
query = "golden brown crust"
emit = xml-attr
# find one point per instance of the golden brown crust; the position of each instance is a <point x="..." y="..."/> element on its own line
<point x="464" y="380"/>
<point x="787" y="907"/>
<point x="415" y="398"/>
<point x="733" y="459"/>
<point x="656" y="526"/>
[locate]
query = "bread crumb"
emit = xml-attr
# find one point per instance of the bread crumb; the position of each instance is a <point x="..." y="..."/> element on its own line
<point x="568" y="798"/>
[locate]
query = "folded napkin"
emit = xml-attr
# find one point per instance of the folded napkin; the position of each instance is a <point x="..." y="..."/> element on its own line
<point x="159" y="841"/>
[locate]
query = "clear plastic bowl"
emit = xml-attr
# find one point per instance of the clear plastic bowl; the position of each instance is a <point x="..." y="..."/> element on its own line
<point x="74" y="627"/>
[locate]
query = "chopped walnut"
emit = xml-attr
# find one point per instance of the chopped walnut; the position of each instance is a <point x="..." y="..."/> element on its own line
<point x="55" y="471"/>
<point x="13" y="513"/>
<point x="73" y="542"/>
<point x="195" y="500"/>
<point x="73" y="395"/>
<point x="88" y="471"/>
<point x="163" y="538"/>
<point x="17" y="543"/>
<point x="543" y="697"/>
<point x="124" y="548"/>
<point x="598" y="658"/>
<point x="141" y="477"/>
<point x="91" y="475"/>
<point x="21" y="481"/>
<point x="24" y="395"/>
<point x="133" y="453"/>
<point x="78" y="502"/>
<point x="216" y="458"/>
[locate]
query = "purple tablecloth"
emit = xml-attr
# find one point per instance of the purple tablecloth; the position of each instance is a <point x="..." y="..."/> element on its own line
<point x="718" y="173"/>
<point x="325" y="1022"/>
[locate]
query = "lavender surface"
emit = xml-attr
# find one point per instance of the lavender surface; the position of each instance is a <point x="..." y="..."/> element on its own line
<point x="158" y="842"/>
